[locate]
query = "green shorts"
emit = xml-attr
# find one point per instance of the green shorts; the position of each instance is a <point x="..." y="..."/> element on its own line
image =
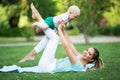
<point x="49" y="22"/>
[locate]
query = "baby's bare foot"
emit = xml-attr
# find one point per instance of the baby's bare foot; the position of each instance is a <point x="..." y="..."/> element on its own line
<point x="35" y="13"/>
<point x="33" y="10"/>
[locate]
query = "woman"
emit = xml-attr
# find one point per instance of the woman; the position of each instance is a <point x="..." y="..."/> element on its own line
<point x="74" y="62"/>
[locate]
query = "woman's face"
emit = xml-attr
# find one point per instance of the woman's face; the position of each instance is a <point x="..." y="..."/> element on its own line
<point x="88" y="54"/>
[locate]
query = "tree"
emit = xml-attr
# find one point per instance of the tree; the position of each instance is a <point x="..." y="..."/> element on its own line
<point x="91" y="14"/>
<point x="13" y="11"/>
<point x="4" y="23"/>
<point x="45" y="7"/>
<point x="113" y="15"/>
<point x="17" y="8"/>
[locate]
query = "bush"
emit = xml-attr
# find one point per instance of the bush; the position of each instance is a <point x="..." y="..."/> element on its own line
<point x="93" y="30"/>
<point x="26" y="32"/>
<point x="105" y="30"/>
<point x="110" y="31"/>
<point x="116" y="31"/>
<point x="10" y="32"/>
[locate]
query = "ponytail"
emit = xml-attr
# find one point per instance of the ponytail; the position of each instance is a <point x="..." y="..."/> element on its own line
<point x="98" y="61"/>
<point x="98" y="64"/>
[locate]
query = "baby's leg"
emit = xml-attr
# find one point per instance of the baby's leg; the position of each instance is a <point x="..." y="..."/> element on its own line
<point x="36" y="28"/>
<point x="40" y="25"/>
<point x="35" y="14"/>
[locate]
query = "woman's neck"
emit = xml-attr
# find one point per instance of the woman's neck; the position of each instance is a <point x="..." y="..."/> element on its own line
<point x="83" y="61"/>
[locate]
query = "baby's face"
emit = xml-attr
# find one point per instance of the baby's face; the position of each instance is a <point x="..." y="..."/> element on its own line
<point x="72" y="15"/>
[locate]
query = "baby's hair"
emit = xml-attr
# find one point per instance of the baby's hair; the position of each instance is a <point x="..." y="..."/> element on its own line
<point x="74" y="8"/>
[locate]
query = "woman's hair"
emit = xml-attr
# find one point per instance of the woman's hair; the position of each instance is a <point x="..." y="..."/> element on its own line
<point x="98" y="61"/>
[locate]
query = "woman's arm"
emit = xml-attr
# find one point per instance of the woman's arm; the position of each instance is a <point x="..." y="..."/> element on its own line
<point x="65" y="43"/>
<point x="70" y="43"/>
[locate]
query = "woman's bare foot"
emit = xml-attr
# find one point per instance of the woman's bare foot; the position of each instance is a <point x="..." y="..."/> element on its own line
<point x="30" y="56"/>
<point x="26" y="59"/>
<point x="35" y="13"/>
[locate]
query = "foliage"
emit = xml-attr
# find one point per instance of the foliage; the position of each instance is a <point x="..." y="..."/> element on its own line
<point x="13" y="11"/>
<point x="109" y="52"/>
<point x="116" y="30"/>
<point x="45" y="7"/>
<point x="106" y="30"/>
<point x="28" y="33"/>
<point x="113" y="15"/>
<point x="16" y="13"/>
<point x="10" y="32"/>
<point x="9" y="2"/>
<point x="74" y="31"/>
<point x="90" y="15"/>
<point x="4" y="23"/>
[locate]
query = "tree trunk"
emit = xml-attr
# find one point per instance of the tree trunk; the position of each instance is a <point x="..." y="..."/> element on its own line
<point x="85" y="36"/>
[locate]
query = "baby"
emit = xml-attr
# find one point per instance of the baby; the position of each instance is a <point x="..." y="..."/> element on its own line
<point x="53" y="22"/>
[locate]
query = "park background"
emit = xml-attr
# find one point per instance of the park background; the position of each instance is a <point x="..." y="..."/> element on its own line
<point x="98" y="18"/>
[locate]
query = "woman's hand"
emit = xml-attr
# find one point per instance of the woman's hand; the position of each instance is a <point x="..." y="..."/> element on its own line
<point x="61" y="26"/>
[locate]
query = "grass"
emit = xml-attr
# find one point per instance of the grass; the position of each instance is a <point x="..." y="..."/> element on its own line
<point x="109" y="52"/>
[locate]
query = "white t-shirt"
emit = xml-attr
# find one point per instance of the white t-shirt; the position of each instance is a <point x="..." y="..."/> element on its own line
<point x="59" y="18"/>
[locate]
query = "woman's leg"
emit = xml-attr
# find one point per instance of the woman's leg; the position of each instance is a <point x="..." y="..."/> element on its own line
<point x="48" y="56"/>
<point x="47" y="61"/>
<point x="15" y="68"/>
<point x="35" y="69"/>
<point x="39" y="47"/>
<point x="29" y="56"/>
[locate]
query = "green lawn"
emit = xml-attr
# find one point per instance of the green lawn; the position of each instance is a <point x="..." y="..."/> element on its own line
<point x="7" y="40"/>
<point x="110" y="53"/>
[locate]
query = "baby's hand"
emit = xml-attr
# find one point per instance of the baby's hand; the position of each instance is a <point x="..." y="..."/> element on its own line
<point x="61" y="26"/>
<point x="62" y="23"/>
